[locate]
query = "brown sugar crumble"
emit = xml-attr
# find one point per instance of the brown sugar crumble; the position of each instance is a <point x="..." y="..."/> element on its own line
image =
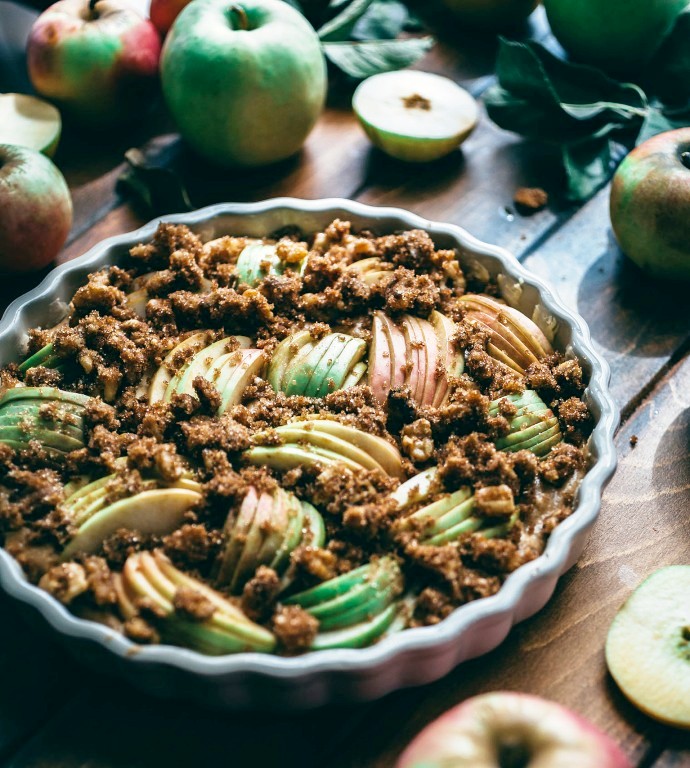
<point x="443" y="461"/>
<point x="529" y="200"/>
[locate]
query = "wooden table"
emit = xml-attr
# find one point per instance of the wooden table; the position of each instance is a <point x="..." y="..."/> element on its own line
<point x="54" y="713"/>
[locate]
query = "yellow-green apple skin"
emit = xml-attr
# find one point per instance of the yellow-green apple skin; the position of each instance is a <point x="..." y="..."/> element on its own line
<point x="648" y="646"/>
<point x="507" y="728"/>
<point x="99" y="64"/>
<point x="245" y="82"/>
<point x="650" y="205"/>
<point x="491" y="14"/>
<point x="617" y="35"/>
<point x="35" y="209"/>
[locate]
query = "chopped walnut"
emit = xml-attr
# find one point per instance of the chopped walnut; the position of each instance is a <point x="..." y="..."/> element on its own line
<point x="417" y="441"/>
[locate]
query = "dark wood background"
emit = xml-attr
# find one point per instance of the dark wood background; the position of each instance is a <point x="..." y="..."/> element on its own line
<point x="53" y="713"/>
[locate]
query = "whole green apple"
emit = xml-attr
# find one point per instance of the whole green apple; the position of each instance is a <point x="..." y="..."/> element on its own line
<point x="617" y="35"/>
<point x="35" y="209"/>
<point x="491" y="14"/>
<point x="650" y="205"/>
<point x="245" y="82"/>
<point x="98" y="60"/>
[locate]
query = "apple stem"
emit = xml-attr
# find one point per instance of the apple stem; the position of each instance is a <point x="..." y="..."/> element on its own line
<point x="239" y="17"/>
<point x="685" y="159"/>
<point x="92" y="8"/>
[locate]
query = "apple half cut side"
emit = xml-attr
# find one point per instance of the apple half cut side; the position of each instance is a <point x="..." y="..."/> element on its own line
<point x="516" y="729"/>
<point x="415" y="116"/>
<point x="514" y="339"/>
<point x="534" y="426"/>
<point x="156" y="512"/>
<point x="648" y="646"/>
<point x="352" y="602"/>
<point x="152" y="577"/>
<point x="28" y="121"/>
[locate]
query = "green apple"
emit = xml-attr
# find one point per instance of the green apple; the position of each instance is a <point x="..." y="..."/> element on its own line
<point x="414" y="116"/>
<point x="648" y="646"/>
<point x="618" y="35"/>
<point x="245" y="82"/>
<point x="511" y="729"/>
<point x="650" y="205"/>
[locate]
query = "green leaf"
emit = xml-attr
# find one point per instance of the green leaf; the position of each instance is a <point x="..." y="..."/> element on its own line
<point x="658" y="121"/>
<point x="154" y="189"/>
<point x="340" y="27"/>
<point x="363" y="59"/>
<point x="588" y="166"/>
<point x="383" y="20"/>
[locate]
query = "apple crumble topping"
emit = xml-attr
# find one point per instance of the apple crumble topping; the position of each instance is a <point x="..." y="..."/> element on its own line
<point x="286" y="444"/>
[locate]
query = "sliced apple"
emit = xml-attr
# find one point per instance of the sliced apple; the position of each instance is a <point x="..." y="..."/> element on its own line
<point x="156" y="512"/>
<point x="201" y="363"/>
<point x="236" y="531"/>
<point x="248" y="560"/>
<point x="355" y="376"/>
<point x="43" y="393"/>
<point x="452" y="359"/>
<point x="255" y="262"/>
<point x="385" y="454"/>
<point x="289" y="456"/>
<point x="251" y="365"/>
<point x="648" y="646"/>
<point x="169" y="366"/>
<point x="415" y="357"/>
<point x="288" y="348"/>
<point x="44" y="356"/>
<point x="380" y="360"/>
<point x="534" y="427"/>
<point x="398" y="348"/>
<point x="415" y="489"/>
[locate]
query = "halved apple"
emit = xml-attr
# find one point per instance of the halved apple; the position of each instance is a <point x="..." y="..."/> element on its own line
<point x="648" y="646"/>
<point x="30" y="122"/>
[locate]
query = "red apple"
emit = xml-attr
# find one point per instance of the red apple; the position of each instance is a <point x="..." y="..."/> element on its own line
<point x="164" y="12"/>
<point x="506" y="728"/>
<point x="650" y="205"/>
<point x="98" y="60"/>
<point x="35" y="209"/>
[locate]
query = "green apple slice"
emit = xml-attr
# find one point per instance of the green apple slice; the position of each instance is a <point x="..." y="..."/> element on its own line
<point x="344" y="360"/>
<point x="534" y="427"/>
<point x="295" y="433"/>
<point x="137" y="301"/>
<point x="415" y="116"/>
<point x="248" y="560"/>
<point x="44" y="356"/>
<point x="276" y="528"/>
<point x="47" y="438"/>
<point x="252" y="364"/>
<point x="381" y="450"/>
<point x="168" y="368"/>
<point x="156" y="512"/>
<point x="648" y="646"/>
<point x="302" y="373"/>
<point x="360" y="635"/>
<point x="283" y="354"/>
<point x="28" y="121"/>
<point x="331" y="589"/>
<point x="355" y="376"/>
<point x="315" y="531"/>
<point x="289" y="456"/>
<point x="43" y="393"/>
<point x="256" y="261"/>
<point x="201" y="363"/>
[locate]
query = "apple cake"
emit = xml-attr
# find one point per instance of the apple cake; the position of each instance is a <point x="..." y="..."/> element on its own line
<point x="286" y="444"/>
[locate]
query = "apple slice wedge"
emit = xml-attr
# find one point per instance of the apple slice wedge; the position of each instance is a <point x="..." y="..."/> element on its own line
<point x="283" y="354"/>
<point x="344" y="357"/>
<point x="168" y="368"/>
<point x="236" y="530"/>
<point x="201" y="363"/>
<point x="255" y="262"/>
<point x="252" y="542"/>
<point x="434" y="361"/>
<point x="252" y="364"/>
<point x="452" y="359"/>
<point x="648" y="646"/>
<point x="156" y="512"/>
<point x="416" y="356"/>
<point x="380" y="360"/>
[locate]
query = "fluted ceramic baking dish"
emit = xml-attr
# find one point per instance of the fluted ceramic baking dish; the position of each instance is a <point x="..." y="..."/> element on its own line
<point x="411" y="657"/>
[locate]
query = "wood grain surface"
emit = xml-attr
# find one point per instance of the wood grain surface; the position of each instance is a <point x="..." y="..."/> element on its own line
<point x="53" y="714"/>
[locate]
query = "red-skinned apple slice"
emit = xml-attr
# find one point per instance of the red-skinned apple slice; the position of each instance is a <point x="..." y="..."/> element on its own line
<point x="236" y="530"/>
<point x="253" y="541"/>
<point x="380" y="360"/>
<point x="415" y="356"/>
<point x="507" y="728"/>
<point x="396" y="344"/>
<point x="445" y="330"/>
<point x="431" y="349"/>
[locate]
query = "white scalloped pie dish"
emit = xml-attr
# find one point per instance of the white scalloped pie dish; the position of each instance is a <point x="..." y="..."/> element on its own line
<point x="411" y="657"/>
